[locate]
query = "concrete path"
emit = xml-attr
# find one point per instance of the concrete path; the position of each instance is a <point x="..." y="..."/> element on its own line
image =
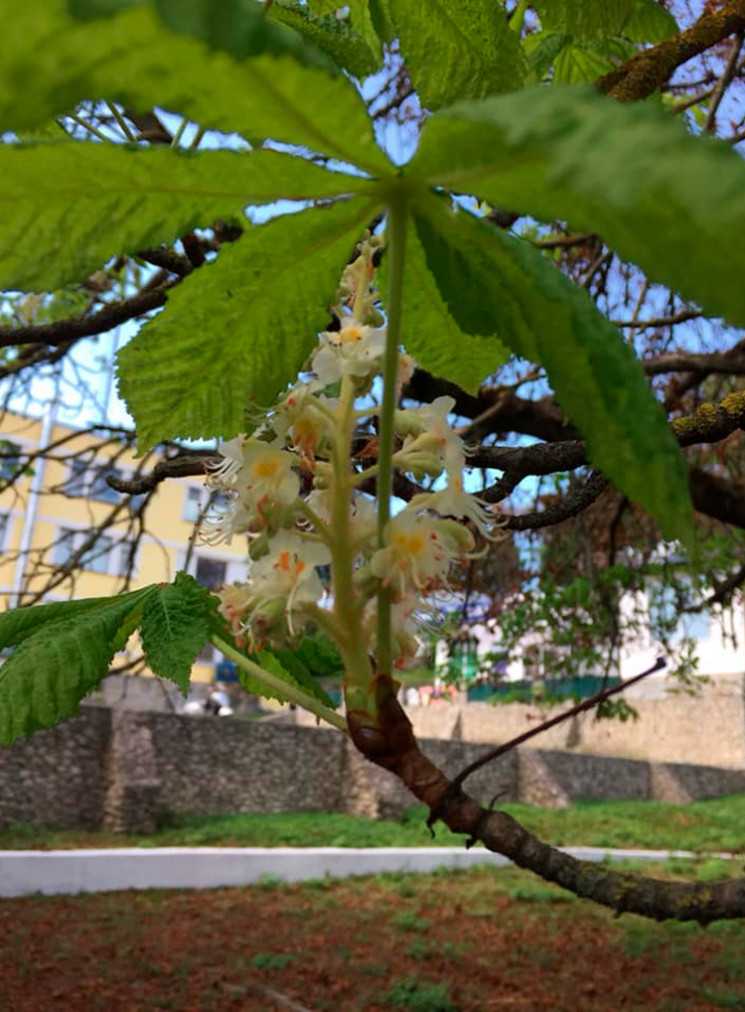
<point x="56" y="872"/>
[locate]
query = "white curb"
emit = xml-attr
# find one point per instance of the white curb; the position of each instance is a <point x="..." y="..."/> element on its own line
<point x="59" y="872"/>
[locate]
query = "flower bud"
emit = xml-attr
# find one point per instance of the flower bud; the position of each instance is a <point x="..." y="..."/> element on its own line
<point x="366" y="581"/>
<point x="407" y="423"/>
<point x="420" y="464"/>
<point x="267" y="617"/>
<point x="457" y="533"/>
<point x="258" y="546"/>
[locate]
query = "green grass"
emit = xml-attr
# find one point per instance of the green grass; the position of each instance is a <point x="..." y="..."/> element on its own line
<point x="271" y="960"/>
<point x="491" y="935"/>
<point x="419" y="996"/>
<point x="714" y="825"/>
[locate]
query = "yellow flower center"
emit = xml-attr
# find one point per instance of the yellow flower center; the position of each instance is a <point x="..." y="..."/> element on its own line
<point x="266" y="467"/>
<point x="411" y="544"/>
<point x="352" y="332"/>
<point x="305" y="433"/>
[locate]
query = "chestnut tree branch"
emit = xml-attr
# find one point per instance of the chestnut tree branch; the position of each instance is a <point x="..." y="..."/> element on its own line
<point x="393" y="747"/>
<point x="649" y="69"/>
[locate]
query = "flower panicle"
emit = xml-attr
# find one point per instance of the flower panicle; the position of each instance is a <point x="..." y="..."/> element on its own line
<point x="281" y="486"/>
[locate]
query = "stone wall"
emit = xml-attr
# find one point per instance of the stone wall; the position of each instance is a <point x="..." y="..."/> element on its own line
<point x="706" y="729"/>
<point x="123" y="770"/>
<point x="58" y="777"/>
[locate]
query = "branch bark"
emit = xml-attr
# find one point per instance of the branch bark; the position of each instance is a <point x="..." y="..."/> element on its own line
<point x="185" y="466"/>
<point x="393" y="747"/>
<point x="646" y="71"/>
<point x="63" y="331"/>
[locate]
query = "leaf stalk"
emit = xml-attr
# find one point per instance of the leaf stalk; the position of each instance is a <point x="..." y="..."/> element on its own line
<point x="396" y="229"/>
<point x="291" y="692"/>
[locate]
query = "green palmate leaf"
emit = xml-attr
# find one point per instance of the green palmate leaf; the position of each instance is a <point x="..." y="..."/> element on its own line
<point x="85" y="9"/>
<point x="240" y="329"/>
<point x="54" y="199"/>
<point x="492" y="282"/>
<point x="454" y="51"/>
<point x="649" y="22"/>
<point x="176" y="621"/>
<point x="585" y="19"/>
<point x="133" y="58"/>
<point x="369" y="25"/>
<point x="17" y="624"/>
<point x="54" y="667"/>
<point x="369" y="19"/>
<point x="253" y="683"/>
<point x="669" y="202"/>
<point x="323" y="7"/>
<point x="336" y="38"/>
<point x="238" y="27"/>
<point x="580" y="60"/>
<point x="583" y="62"/>
<point x="542" y="49"/>
<point x="320" y="655"/>
<point x="292" y="662"/>
<point x="431" y="334"/>
<point x="380" y="18"/>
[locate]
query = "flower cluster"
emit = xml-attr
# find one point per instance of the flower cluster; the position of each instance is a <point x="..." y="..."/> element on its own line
<point x="294" y="489"/>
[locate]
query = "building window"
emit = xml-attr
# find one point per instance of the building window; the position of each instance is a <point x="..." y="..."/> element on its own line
<point x="193" y="504"/>
<point x="89" y="481"/>
<point x="197" y="499"/>
<point x="124" y="557"/>
<point x="210" y="573"/>
<point x="4" y="525"/>
<point x="10" y="459"/>
<point x="96" y="559"/>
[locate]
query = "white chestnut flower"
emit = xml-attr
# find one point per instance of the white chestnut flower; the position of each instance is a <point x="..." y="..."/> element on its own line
<point x="417" y="555"/>
<point x="355" y="350"/>
<point x="260" y="480"/>
<point x="288" y="573"/>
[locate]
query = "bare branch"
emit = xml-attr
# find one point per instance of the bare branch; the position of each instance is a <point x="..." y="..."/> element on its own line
<point x="393" y="747"/>
<point x="542" y="458"/>
<point x="722" y="593"/>
<point x="716" y="362"/>
<point x="587" y="704"/>
<point x="167" y="260"/>
<point x="661" y="321"/>
<point x="184" y="466"/>
<point x="565" y="241"/>
<point x="63" y="332"/>
<point x="573" y="503"/>
<point x="723" y="83"/>
<point x="717" y="498"/>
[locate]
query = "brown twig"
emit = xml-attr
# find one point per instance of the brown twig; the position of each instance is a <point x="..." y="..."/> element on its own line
<point x="716" y="362"/>
<point x="565" y="241"/>
<point x="574" y="503"/>
<point x="62" y="332"/>
<point x="586" y="704"/>
<point x="660" y="321"/>
<point x="722" y="592"/>
<point x="723" y="83"/>
<point x="184" y="466"/>
<point x="392" y="746"/>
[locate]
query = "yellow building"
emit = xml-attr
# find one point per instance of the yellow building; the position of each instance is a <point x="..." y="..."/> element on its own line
<point x="47" y="512"/>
